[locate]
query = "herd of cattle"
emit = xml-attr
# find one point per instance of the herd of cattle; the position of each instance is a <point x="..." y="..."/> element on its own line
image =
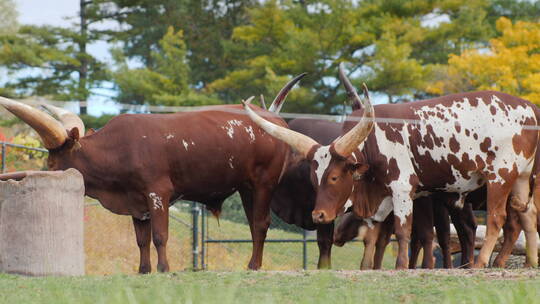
<point x="395" y="168"/>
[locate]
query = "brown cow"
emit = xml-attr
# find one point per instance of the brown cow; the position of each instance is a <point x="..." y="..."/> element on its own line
<point x="138" y="163"/>
<point x="453" y="144"/>
<point x="294" y="198"/>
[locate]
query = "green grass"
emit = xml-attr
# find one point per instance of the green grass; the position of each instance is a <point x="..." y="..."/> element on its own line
<point x="277" y="256"/>
<point x="278" y="287"/>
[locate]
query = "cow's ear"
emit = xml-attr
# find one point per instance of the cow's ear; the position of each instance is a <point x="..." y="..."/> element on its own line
<point x="73" y="139"/>
<point x="73" y="134"/>
<point x="90" y="132"/>
<point x="358" y="170"/>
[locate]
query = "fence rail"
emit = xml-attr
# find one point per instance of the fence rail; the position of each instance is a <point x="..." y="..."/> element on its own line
<point x="5" y="144"/>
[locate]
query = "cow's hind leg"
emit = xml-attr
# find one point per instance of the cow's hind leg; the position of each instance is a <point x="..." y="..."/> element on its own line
<point x="143" y="231"/>
<point x="325" y="238"/>
<point x="497" y="196"/>
<point x="511" y="230"/>
<point x="528" y="221"/>
<point x="257" y="208"/>
<point x="527" y="215"/>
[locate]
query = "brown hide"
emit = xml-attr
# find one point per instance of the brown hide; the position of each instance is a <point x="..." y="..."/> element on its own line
<point x="194" y="156"/>
<point x="138" y="163"/>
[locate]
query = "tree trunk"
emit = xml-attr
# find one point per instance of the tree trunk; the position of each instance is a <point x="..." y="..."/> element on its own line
<point x="83" y="57"/>
<point x="41" y="223"/>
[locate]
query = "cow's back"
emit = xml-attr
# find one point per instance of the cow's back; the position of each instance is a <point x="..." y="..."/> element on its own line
<point x="446" y="142"/>
<point x="206" y="154"/>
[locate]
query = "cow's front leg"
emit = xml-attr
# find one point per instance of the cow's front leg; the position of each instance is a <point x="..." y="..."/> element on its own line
<point x="143" y="231"/>
<point x="159" y="217"/>
<point x="325" y="238"/>
<point x="385" y="233"/>
<point x="422" y="232"/>
<point x="442" y="228"/>
<point x="370" y="245"/>
<point x="403" y="206"/>
<point x="465" y="224"/>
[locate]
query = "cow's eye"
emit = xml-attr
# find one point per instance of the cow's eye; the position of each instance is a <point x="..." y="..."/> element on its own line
<point x="334" y="178"/>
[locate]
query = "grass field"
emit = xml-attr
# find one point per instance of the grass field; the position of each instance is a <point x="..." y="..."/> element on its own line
<point x="459" y="286"/>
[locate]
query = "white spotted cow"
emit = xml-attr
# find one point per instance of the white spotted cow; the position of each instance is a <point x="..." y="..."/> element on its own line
<point x="452" y="144"/>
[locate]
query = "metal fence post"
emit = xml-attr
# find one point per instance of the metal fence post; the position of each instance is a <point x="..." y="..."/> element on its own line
<point x="203" y="238"/>
<point x="3" y="157"/>
<point x="195" y="220"/>
<point x="304" y="249"/>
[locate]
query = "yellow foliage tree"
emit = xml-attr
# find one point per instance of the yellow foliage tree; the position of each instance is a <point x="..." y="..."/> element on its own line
<point x="510" y="65"/>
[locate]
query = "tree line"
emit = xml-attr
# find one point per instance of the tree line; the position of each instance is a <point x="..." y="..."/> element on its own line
<point x="199" y="52"/>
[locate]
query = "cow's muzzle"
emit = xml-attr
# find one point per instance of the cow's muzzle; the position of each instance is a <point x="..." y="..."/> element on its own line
<point x="320" y="217"/>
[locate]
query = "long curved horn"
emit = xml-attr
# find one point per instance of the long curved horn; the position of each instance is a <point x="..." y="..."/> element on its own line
<point x="280" y="98"/>
<point x="52" y="133"/>
<point x="67" y="118"/>
<point x="346" y="144"/>
<point x="356" y="101"/>
<point x="297" y="141"/>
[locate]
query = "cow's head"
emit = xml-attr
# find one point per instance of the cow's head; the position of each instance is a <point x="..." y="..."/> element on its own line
<point x="60" y="137"/>
<point x="333" y="167"/>
<point x="347" y="229"/>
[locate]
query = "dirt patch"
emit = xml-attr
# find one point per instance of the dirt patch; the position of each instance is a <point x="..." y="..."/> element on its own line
<point x="493" y="274"/>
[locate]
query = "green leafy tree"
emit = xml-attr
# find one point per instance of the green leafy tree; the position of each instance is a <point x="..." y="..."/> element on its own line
<point x="393" y="71"/>
<point x="206" y="25"/>
<point x="42" y="61"/>
<point x="286" y="39"/>
<point x="166" y="82"/>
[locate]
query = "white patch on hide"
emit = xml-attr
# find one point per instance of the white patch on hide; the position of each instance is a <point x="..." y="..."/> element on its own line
<point x="231" y="162"/>
<point x="384" y="210"/>
<point x="249" y="131"/>
<point x="322" y="157"/>
<point x="185" y="144"/>
<point x="230" y="126"/>
<point x="158" y="203"/>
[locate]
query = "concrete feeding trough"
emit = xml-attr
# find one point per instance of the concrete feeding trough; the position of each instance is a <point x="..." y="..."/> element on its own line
<point x="41" y="223"/>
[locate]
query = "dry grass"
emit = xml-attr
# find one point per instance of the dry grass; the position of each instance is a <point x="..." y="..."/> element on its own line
<point x="110" y="247"/>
